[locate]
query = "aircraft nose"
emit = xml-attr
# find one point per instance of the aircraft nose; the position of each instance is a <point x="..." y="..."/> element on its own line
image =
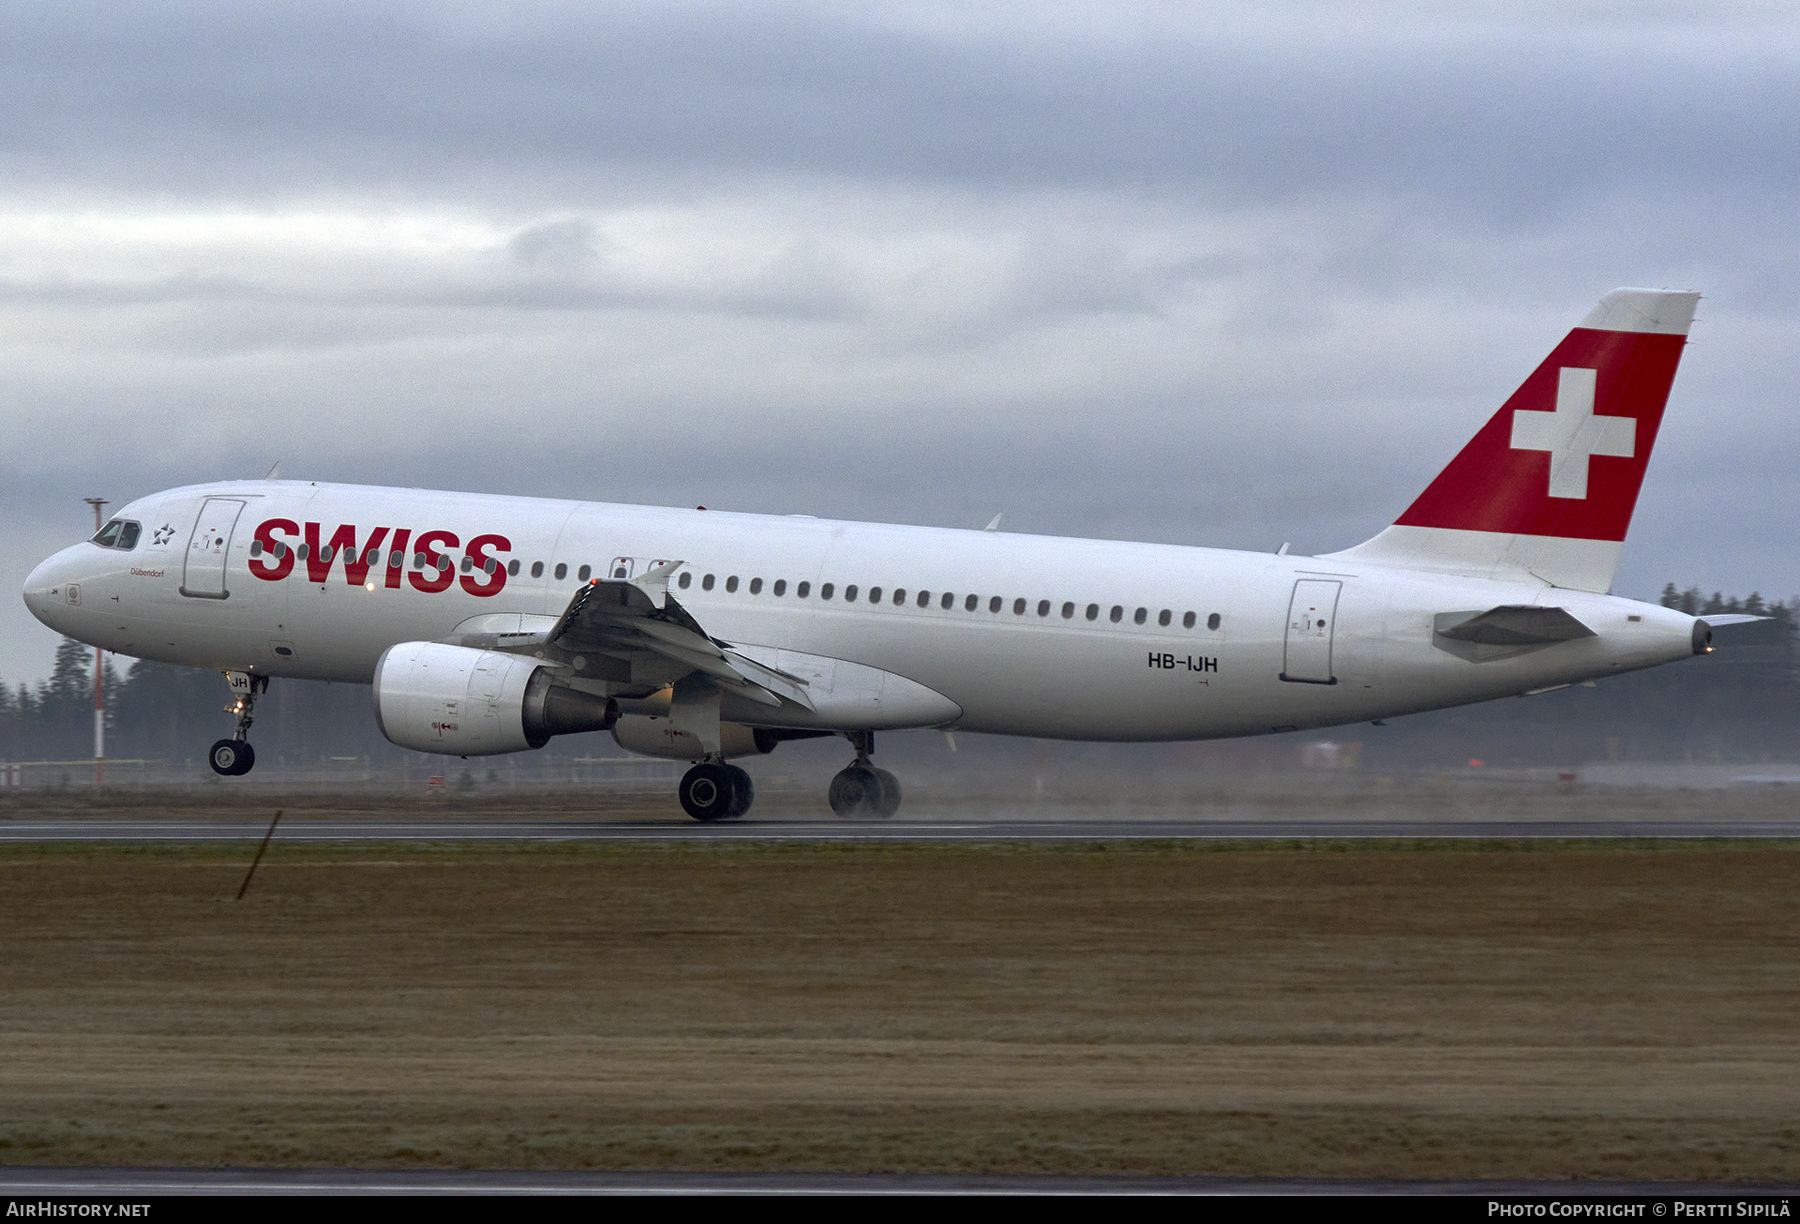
<point x="44" y="589"/>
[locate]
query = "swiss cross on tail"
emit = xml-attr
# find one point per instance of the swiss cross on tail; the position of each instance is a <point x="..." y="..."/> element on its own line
<point x="1546" y="488"/>
<point x="1572" y="433"/>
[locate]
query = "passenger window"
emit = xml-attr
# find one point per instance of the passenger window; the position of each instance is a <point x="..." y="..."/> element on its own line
<point x="899" y="596"/>
<point x="849" y="593"/>
<point x="562" y="570"/>
<point x="1187" y="621"/>
<point x="1043" y="607"/>
<point x="949" y="601"/>
<point x="686" y="580"/>
<point x="1117" y="614"/>
<point x="255" y="548"/>
<point x="537" y="569"/>
<point x="924" y="600"/>
<point x="874" y="594"/>
<point x="993" y="604"/>
<point x="706" y="583"/>
<point x="303" y="549"/>
<point x="1140" y="616"/>
<point x="585" y="572"/>
<point x="512" y="568"/>
<point x="756" y="586"/>
<point x="1018" y="607"/>
<point x="825" y="592"/>
<point x="1093" y="612"/>
<point x="1212" y="622"/>
<point x="803" y="590"/>
<point x="1068" y="610"/>
<point x="468" y="563"/>
<point x="780" y="587"/>
<point x="443" y="563"/>
<point x="731" y="583"/>
<point x="1163" y="617"/>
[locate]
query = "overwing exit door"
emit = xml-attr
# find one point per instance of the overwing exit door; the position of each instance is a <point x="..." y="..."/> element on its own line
<point x="1312" y="619"/>
<point x="203" y="569"/>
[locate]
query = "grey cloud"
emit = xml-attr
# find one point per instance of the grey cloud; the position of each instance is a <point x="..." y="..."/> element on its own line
<point x="571" y="245"/>
<point x="1227" y="284"/>
<point x="1509" y="121"/>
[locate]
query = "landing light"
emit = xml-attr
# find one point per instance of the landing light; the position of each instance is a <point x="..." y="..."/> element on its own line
<point x="368" y="586"/>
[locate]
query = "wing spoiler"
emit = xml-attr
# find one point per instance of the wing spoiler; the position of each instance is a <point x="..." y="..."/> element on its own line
<point x="639" y="614"/>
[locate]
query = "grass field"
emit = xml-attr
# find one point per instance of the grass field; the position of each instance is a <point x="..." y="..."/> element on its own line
<point x="1427" y="1011"/>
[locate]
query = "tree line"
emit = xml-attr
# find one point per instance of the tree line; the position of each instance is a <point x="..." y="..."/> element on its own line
<point x="162" y="712"/>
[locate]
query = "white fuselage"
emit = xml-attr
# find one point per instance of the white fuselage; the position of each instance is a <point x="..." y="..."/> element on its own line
<point x="1063" y="673"/>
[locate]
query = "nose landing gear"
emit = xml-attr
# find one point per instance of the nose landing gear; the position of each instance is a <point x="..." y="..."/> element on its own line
<point x="234" y="757"/>
<point x="860" y="790"/>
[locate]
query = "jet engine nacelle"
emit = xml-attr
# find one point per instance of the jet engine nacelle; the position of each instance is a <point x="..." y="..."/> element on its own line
<point x="658" y="737"/>
<point x="432" y="697"/>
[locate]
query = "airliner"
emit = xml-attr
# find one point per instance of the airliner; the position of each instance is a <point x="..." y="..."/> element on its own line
<point x="489" y="624"/>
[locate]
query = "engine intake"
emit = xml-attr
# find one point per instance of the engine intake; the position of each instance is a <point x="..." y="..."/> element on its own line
<point x="432" y="697"/>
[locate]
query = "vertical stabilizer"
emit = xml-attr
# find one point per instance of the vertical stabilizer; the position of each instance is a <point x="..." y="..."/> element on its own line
<point x="1546" y="488"/>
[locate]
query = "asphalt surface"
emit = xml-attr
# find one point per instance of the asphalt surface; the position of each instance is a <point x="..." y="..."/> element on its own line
<point x="303" y="830"/>
<point x="151" y="1183"/>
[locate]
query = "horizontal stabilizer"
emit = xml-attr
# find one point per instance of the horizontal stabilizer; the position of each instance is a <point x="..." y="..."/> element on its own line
<point x="1512" y="625"/>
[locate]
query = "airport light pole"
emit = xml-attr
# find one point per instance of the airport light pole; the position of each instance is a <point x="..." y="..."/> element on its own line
<point x="99" y="678"/>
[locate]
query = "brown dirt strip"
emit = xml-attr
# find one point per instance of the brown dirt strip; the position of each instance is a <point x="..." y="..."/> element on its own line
<point x="1438" y="1011"/>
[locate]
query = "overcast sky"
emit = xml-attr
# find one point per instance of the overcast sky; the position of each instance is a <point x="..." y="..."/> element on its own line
<point x="1202" y="274"/>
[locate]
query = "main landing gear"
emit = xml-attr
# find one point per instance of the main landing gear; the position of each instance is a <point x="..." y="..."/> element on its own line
<point x="861" y="791"/>
<point x="234" y="757"/>
<point x="713" y="790"/>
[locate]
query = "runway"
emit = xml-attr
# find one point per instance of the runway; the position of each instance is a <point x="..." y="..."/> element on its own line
<point x="936" y="831"/>
<point x="156" y="1183"/>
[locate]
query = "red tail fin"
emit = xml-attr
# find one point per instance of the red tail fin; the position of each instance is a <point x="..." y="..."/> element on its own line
<point x="1547" y="487"/>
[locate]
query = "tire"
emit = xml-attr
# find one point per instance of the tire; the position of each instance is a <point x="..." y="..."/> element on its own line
<point x="889" y="803"/>
<point x="707" y="792"/>
<point x="743" y="792"/>
<point x="231" y="758"/>
<point x="856" y="792"/>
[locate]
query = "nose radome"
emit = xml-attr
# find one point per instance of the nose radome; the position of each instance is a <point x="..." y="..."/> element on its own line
<point x="43" y="589"/>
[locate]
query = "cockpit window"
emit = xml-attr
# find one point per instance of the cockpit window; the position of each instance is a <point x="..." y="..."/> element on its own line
<point x="120" y="534"/>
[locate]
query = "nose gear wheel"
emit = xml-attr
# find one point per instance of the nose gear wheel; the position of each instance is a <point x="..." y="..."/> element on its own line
<point x="234" y="757"/>
<point x="231" y="758"/>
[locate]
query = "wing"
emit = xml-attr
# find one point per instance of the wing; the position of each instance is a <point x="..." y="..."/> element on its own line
<point x="647" y="635"/>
